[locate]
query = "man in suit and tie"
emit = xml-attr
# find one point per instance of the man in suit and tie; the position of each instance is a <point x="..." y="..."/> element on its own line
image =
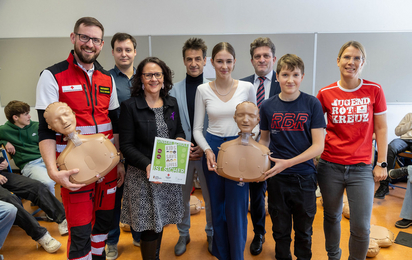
<point x="194" y="58"/>
<point x="262" y="51"/>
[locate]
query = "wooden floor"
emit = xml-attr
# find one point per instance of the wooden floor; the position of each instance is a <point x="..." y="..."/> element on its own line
<point x="385" y="213"/>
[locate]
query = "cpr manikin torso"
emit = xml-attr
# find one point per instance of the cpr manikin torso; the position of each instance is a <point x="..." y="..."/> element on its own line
<point x="243" y="159"/>
<point x="94" y="155"/>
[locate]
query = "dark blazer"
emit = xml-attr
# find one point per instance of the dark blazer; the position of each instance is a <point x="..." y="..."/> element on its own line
<point x="137" y="128"/>
<point x="274" y="88"/>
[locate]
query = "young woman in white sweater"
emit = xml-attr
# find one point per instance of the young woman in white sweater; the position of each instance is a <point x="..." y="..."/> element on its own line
<point x="229" y="199"/>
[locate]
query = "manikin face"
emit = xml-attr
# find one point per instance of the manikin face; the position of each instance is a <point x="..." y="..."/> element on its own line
<point x="246" y="117"/>
<point x="61" y="119"/>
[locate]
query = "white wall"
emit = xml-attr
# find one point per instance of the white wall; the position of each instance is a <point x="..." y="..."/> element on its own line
<point x="394" y="116"/>
<point x="51" y="18"/>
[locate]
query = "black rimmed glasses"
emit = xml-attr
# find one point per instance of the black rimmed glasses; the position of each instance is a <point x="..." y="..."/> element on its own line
<point x="149" y="76"/>
<point x="84" y="38"/>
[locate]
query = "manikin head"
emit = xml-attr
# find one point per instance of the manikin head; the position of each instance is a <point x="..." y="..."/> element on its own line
<point x="246" y="116"/>
<point x="60" y="118"/>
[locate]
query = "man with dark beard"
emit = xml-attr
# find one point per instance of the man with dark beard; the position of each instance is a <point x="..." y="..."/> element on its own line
<point x="82" y="83"/>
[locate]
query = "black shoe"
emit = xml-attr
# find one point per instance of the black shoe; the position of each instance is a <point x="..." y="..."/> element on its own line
<point x="180" y="247"/>
<point x="256" y="245"/>
<point x="382" y="191"/>
<point x="398" y="173"/>
<point x="403" y="223"/>
<point x="209" y="244"/>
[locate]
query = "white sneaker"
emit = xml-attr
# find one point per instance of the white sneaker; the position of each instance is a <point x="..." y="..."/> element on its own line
<point x="49" y="244"/>
<point x="135" y="243"/>
<point x="318" y="194"/>
<point x="63" y="228"/>
<point x="111" y="252"/>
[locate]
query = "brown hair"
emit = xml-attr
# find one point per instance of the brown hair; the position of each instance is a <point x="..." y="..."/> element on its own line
<point x="88" y="21"/>
<point x="262" y="42"/>
<point x="17" y="108"/>
<point x="195" y="44"/>
<point x="123" y="37"/>
<point x="137" y="89"/>
<point x="223" y="46"/>
<point x="290" y="62"/>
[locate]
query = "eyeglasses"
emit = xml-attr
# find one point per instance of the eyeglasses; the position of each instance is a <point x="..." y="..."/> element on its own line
<point x="149" y="76"/>
<point x="84" y="38"/>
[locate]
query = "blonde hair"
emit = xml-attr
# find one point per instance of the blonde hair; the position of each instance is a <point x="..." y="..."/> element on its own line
<point x="355" y="44"/>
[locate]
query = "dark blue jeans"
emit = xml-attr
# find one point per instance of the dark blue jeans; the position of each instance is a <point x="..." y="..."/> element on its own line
<point x="292" y="197"/>
<point x="397" y="146"/>
<point x="229" y="203"/>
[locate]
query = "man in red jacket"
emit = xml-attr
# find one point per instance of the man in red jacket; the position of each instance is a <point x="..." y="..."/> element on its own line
<point x="82" y="83"/>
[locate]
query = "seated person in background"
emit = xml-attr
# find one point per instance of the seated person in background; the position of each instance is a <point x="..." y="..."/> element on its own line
<point x="19" y="137"/>
<point x="406" y="212"/>
<point x="12" y="184"/>
<point x="7" y="217"/>
<point x="398" y="145"/>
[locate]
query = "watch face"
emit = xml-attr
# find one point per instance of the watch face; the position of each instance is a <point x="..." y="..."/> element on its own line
<point x="384" y="165"/>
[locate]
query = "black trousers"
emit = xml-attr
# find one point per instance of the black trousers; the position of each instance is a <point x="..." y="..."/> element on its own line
<point x="37" y="193"/>
<point x="292" y="197"/>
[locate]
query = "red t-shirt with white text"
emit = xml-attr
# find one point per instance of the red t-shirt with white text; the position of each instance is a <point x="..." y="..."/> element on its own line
<point x="350" y="121"/>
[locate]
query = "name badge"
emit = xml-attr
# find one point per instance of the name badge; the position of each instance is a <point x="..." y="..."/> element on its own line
<point x="104" y="90"/>
<point x="72" y="88"/>
<point x="111" y="191"/>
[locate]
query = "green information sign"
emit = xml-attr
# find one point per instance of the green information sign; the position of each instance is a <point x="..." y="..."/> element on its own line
<point x="169" y="161"/>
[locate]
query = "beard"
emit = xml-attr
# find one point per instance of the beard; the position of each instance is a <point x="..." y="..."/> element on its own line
<point x="83" y="58"/>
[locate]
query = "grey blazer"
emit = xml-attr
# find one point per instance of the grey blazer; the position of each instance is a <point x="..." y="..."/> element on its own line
<point x="179" y="92"/>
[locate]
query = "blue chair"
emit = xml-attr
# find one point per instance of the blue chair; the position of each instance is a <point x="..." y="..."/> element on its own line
<point x="5" y="155"/>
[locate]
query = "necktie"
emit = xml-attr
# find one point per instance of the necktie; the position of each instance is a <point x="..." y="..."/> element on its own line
<point x="260" y="94"/>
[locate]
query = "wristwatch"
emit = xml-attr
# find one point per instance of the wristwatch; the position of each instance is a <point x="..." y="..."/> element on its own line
<point x="382" y="164"/>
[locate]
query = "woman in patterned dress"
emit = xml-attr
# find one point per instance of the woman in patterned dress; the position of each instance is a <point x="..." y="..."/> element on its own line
<point x="150" y="112"/>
